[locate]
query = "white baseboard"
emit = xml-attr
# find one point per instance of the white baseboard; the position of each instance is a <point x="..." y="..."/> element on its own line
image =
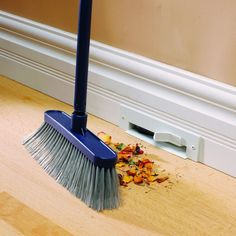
<point x="43" y="58"/>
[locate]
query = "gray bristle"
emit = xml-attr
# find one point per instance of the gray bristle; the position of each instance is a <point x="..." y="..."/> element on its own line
<point x="96" y="186"/>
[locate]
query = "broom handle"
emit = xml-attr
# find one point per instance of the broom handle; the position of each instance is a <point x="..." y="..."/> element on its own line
<point x="79" y="116"/>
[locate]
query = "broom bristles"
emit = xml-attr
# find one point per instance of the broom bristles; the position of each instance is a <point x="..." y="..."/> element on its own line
<point x="94" y="185"/>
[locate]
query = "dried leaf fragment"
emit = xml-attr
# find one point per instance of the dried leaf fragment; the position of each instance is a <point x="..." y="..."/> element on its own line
<point x="120" y="164"/>
<point x="161" y="179"/>
<point x="127" y="179"/>
<point x="152" y="178"/>
<point x="122" y="182"/>
<point x="106" y="138"/>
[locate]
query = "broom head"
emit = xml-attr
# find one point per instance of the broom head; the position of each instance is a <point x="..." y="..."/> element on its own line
<point x="82" y="163"/>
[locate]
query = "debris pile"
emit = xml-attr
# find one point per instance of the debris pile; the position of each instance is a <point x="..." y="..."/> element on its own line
<point x="133" y="164"/>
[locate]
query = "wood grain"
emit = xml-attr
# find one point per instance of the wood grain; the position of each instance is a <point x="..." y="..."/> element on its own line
<point x="25" y="220"/>
<point x="197" y="201"/>
<point x="8" y="230"/>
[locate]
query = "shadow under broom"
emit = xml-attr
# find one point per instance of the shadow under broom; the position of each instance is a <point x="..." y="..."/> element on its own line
<point x="66" y="149"/>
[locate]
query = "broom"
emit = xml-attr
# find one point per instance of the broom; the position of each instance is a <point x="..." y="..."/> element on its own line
<point x="66" y="149"/>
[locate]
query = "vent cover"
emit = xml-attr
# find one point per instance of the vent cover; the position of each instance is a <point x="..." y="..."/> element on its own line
<point x="159" y="133"/>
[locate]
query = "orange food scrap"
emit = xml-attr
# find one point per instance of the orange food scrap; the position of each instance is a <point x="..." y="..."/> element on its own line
<point x="138" y="179"/>
<point x="141" y="165"/>
<point x="124" y="156"/>
<point x="145" y="160"/>
<point x="149" y="165"/>
<point x="129" y="149"/>
<point x="132" y="171"/>
<point x="146" y="174"/>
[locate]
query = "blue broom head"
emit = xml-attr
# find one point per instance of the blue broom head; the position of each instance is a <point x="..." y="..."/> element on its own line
<point x="89" y="144"/>
<point x="82" y="163"/>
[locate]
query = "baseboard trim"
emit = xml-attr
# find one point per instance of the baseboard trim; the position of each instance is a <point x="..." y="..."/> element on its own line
<point x="44" y="59"/>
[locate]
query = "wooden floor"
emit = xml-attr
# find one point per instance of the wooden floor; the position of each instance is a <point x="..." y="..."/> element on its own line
<point x="199" y="201"/>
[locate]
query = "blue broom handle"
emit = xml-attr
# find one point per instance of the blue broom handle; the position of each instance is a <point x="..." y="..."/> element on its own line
<point x="79" y="117"/>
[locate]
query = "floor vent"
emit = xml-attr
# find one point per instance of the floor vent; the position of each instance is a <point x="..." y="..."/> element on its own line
<point x="161" y="134"/>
